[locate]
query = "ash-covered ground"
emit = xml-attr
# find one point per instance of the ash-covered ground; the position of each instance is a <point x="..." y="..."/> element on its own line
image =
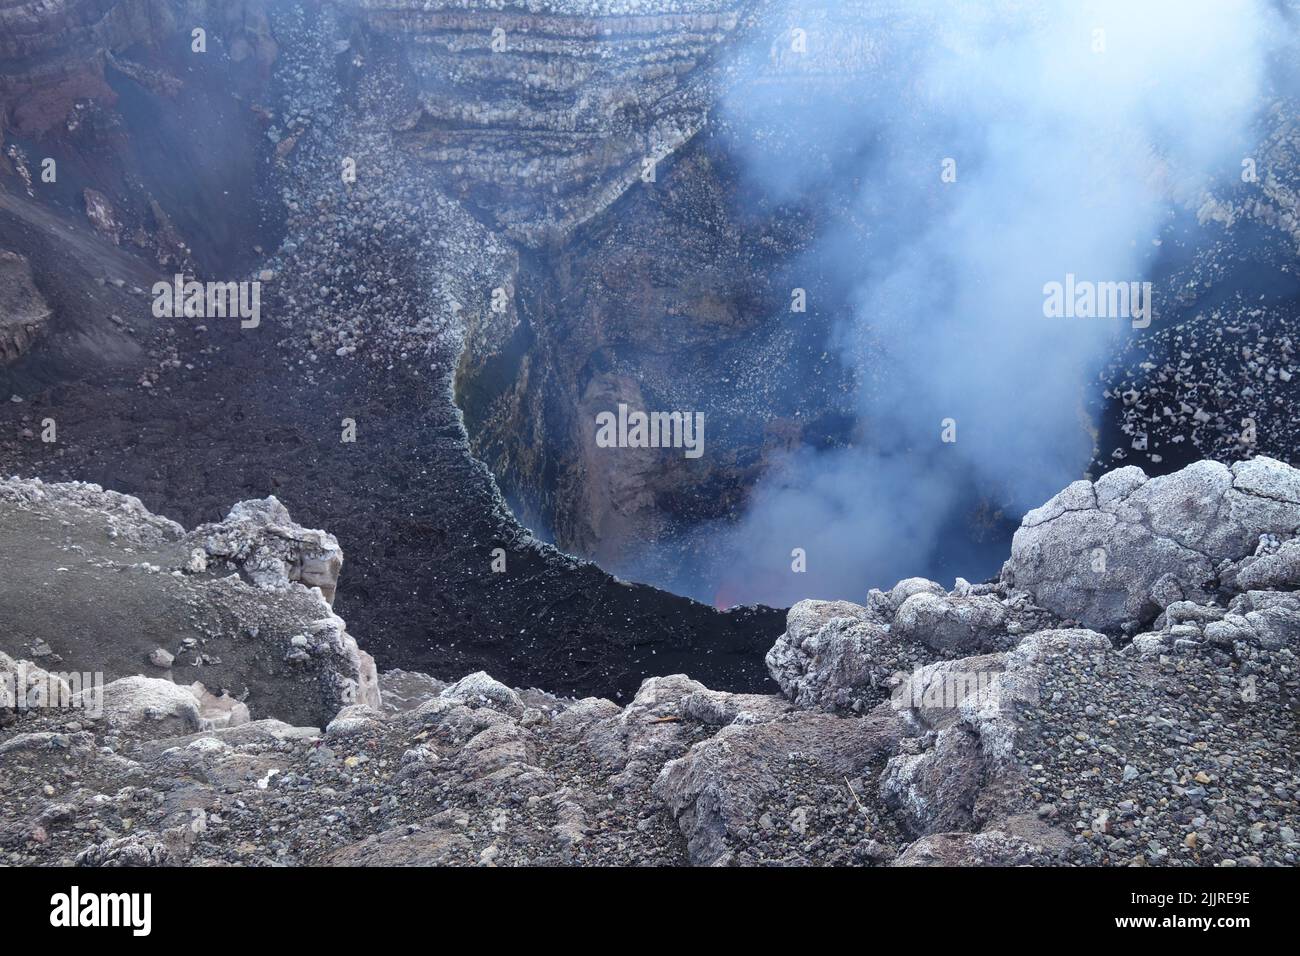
<point x="999" y="724"/>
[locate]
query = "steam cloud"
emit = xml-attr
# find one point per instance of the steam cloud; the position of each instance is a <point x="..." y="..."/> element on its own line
<point x="1068" y="160"/>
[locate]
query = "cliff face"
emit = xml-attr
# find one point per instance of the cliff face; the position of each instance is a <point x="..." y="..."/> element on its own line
<point x="113" y="117"/>
<point x="23" y="310"/>
<point x="51" y="55"/>
<point x="242" y="606"/>
<point x="366" y="302"/>
<point x="671" y="304"/>
<point x="543" y="114"/>
<point x="515" y="168"/>
<point x="662" y="292"/>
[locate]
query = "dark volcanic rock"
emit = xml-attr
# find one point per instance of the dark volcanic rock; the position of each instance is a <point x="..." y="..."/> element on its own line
<point x="215" y="415"/>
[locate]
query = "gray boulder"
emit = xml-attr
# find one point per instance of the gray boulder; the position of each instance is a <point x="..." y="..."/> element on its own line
<point x="949" y="625"/>
<point x="23" y="310"/>
<point x="481" y="690"/>
<point x="260" y="539"/>
<point x="967" y="719"/>
<point x="720" y="789"/>
<point x="990" y="848"/>
<point x="1116" y="551"/>
<point x="1267" y="572"/>
<point x="24" y="684"/>
<point x="907" y="587"/>
<point x="935" y="790"/>
<point x="148" y="706"/>
<point x="837" y="656"/>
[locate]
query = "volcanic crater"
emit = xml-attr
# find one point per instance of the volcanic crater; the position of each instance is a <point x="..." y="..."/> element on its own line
<point x="498" y="272"/>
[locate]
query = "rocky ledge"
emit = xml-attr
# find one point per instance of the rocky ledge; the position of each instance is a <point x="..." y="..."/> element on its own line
<point x="91" y="582"/>
<point x="1124" y="694"/>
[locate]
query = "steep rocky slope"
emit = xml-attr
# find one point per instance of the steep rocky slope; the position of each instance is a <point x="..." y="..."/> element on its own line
<point x="977" y="726"/>
<point x="24" y="310"/>
<point x="377" y="289"/>
<point x="499" y="239"/>
<point x="114" y="117"/>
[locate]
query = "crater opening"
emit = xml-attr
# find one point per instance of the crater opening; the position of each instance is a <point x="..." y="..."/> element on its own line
<point x="701" y="298"/>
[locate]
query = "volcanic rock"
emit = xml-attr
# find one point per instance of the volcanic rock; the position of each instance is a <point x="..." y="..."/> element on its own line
<point x="1055" y="747"/>
<point x="104" y="583"/>
<point x="262" y="541"/>
<point x="149" y="707"/>
<point x="1116" y="551"/>
<point x="23" y="310"/>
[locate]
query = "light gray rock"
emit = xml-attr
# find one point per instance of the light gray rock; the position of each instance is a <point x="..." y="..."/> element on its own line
<point x="1147" y="645"/>
<point x="935" y="791"/>
<point x="1118" y="551"/>
<point x="717" y="709"/>
<point x="1280" y="570"/>
<point x="110" y="588"/>
<point x="651" y="728"/>
<point x="402" y="690"/>
<point x="260" y="539"/>
<point x="949" y="625"/>
<point x="353" y="720"/>
<point x="23" y="310"/>
<point x="827" y="657"/>
<point x="149" y="706"/>
<point x="1181" y="612"/>
<point x="721" y="786"/>
<point x="837" y="656"/>
<point x="24" y="684"/>
<point x="990" y="848"/>
<point x="1262" y="600"/>
<point x="480" y="690"/>
<point x="936" y="695"/>
<point x="970" y="714"/>
<point x="1275" y="627"/>
<point x="907" y="587"/>
<point x="219" y="710"/>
